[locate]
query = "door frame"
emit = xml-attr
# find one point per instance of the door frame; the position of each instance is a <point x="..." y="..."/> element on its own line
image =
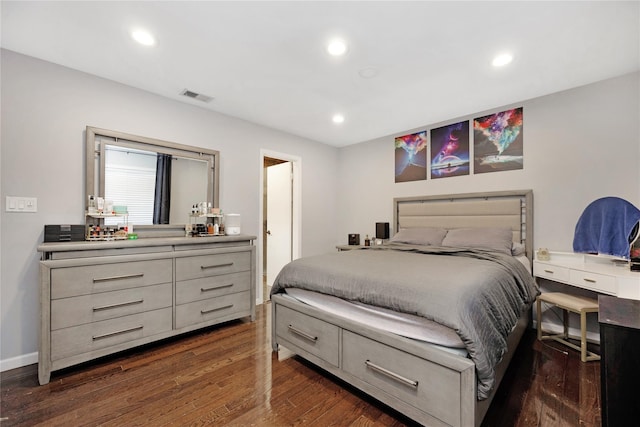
<point x="296" y="226"/>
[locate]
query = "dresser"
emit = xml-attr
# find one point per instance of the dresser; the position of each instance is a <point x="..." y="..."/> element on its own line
<point x="98" y="298"/>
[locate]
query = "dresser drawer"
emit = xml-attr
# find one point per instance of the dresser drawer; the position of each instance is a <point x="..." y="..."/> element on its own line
<point x="67" y="312"/>
<point x="212" y="265"/>
<point x="594" y="281"/>
<point x="93" y="336"/>
<point x="312" y="335"/>
<point x="211" y="309"/>
<point x="425" y="385"/>
<point x="210" y="287"/>
<point x="551" y="272"/>
<point x="72" y="281"/>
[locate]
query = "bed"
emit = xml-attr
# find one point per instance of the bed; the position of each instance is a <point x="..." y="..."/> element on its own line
<point x="427" y="323"/>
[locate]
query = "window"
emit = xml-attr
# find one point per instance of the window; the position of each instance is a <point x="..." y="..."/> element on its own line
<point x="130" y="177"/>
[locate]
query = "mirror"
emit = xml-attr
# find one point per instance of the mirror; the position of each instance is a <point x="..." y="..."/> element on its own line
<point x="158" y="181"/>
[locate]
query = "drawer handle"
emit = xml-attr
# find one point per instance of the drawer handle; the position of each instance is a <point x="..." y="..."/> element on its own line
<point x="111" y="334"/>
<point x="126" y="276"/>
<point x="549" y="271"/>
<point x="589" y="280"/>
<point x="213" y="288"/>
<point x="122" y="304"/>
<point x="226" y="264"/>
<point x="391" y="375"/>
<point x="215" y="309"/>
<point x="303" y="334"/>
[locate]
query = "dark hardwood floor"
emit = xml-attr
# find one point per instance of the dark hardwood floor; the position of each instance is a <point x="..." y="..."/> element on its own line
<point x="228" y="375"/>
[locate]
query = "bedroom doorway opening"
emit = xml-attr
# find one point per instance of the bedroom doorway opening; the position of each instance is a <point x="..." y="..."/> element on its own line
<point x="280" y="216"/>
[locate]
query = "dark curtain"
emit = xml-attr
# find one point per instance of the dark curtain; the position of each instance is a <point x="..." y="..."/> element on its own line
<point x="162" y="198"/>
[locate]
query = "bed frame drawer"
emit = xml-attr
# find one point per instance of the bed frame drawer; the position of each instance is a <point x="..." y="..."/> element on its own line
<point x="427" y="386"/>
<point x="310" y="334"/>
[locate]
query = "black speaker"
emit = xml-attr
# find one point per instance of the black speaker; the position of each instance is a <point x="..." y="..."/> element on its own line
<point x="382" y="230"/>
<point x="354" y="239"/>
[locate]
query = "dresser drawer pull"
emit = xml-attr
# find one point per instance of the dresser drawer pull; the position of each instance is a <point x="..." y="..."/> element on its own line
<point x="226" y="264"/>
<point x="391" y="375"/>
<point x="126" y="276"/>
<point x="213" y="288"/>
<point x="589" y="280"/>
<point x="302" y="333"/>
<point x="549" y="271"/>
<point x="215" y="309"/>
<point x="122" y="304"/>
<point x="111" y="334"/>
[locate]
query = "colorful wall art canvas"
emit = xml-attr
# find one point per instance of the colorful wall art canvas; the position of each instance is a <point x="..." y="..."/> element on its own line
<point x="411" y="157"/>
<point x="450" y="150"/>
<point x="497" y="142"/>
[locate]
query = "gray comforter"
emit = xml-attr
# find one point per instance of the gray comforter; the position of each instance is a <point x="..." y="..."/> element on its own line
<point x="479" y="294"/>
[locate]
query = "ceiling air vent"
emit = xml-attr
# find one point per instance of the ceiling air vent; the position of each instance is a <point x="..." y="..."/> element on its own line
<point x="198" y="96"/>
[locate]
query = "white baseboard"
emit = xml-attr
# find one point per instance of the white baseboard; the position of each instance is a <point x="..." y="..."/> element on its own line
<point x="18" y="361"/>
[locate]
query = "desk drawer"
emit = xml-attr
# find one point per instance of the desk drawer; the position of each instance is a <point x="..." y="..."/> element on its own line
<point x="427" y="386"/>
<point x="212" y="309"/>
<point x="551" y="272"/>
<point x="308" y="333"/>
<point x="83" y="280"/>
<point x="594" y="281"/>
<point x="93" y="336"/>
<point x="212" y="265"/>
<point x="67" y="312"/>
<point x="210" y="287"/>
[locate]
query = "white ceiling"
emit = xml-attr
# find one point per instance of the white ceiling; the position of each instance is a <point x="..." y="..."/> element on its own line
<point x="266" y="62"/>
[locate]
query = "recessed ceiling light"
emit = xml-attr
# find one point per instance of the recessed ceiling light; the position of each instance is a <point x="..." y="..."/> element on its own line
<point x="502" y="60"/>
<point x="143" y="37"/>
<point x="337" y="48"/>
<point x="338" y="118"/>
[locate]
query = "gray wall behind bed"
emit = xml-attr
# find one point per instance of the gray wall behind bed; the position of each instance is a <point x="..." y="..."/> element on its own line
<point x="579" y="145"/>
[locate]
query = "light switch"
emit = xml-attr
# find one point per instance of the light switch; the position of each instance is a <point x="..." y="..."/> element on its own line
<point x="21" y="204"/>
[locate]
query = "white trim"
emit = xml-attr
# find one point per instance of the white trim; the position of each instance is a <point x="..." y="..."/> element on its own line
<point x="18" y="361"/>
<point x="296" y="162"/>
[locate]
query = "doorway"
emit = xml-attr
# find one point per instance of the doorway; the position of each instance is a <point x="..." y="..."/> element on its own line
<point x="280" y="216"/>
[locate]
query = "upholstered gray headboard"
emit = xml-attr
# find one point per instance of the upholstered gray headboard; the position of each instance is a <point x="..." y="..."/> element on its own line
<point x="513" y="209"/>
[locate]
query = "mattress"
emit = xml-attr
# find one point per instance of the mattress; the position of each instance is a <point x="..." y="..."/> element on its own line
<point x="403" y="324"/>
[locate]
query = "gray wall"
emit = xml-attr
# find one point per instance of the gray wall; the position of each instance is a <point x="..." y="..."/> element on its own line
<point x="579" y="145"/>
<point x="45" y="109"/>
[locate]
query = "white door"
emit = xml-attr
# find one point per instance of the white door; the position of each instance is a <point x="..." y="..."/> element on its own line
<point x="279" y="219"/>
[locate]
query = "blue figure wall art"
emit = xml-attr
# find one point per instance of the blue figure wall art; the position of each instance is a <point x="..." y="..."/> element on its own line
<point x="411" y="157"/>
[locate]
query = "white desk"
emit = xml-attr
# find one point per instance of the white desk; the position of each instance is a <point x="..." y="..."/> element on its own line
<point x="595" y="273"/>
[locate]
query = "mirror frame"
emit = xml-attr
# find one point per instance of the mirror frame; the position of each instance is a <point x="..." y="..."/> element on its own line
<point x="95" y="167"/>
